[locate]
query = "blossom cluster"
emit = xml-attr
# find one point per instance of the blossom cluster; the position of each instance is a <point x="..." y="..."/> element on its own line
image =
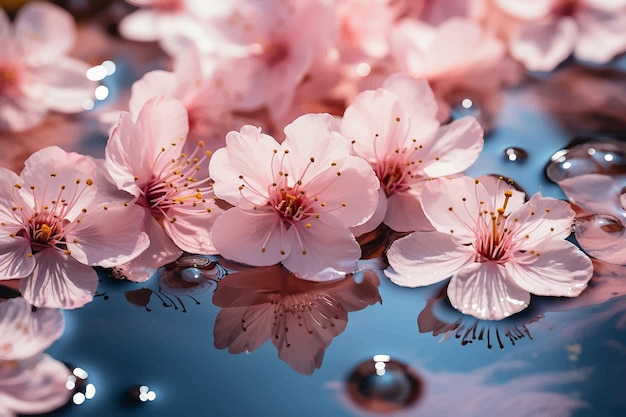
<point x="361" y="92"/>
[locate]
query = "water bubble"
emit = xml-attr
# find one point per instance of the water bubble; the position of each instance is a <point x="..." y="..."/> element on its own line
<point x="466" y="106"/>
<point x="513" y="154"/>
<point x="141" y="394"/>
<point x="602" y="236"/>
<point x="606" y="157"/>
<point x="191" y="274"/>
<point x="383" y="384"/>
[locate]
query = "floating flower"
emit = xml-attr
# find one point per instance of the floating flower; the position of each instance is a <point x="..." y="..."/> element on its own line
<point x="497" y="248"/>
<point x="395" y="129"/>
<point x="146" y="159"/>
<point x="550" y="30"/>
<point x="57" y="219"/>
<point x="30" y="381"/>
<point x="301" y="318"/>
<point x="294" y="201"/>
<point x="36" y="75"/>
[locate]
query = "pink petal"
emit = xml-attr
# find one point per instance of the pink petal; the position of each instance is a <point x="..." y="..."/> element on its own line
<point x="376" y="219"/>
<point x="319" y="247"/>
<point x="527" y="10"/>
<point x="454" y="149"/>
<point x="33" y="386"/>
<point x="539" y="219"/>
<point x="424" y="258"/>
<point x="25" y="333"/>
<point x="152" y="84"/>
<point x="496" y="188"/>
<point x="61" y="86"/>
<point x="348" y="192"/>
<point x="555" y="268"/>
<point x="235" y="160"/>
<point x="192" y="230"/>
<point x="415" y="95"/>
<point x="541" y="46"/>
<point x="160" y="252"/>
<point x="122" y="156"/>
<point x="67" y="167"/>
<point x="452" y="205"/>
<point x="6" y="32"/>
<point x="20" y="113"/>
<point x="602" y="35"/>
<point x="313" y="136"/>
<point x="15" y="261"/>
<point x="228" y="330"/>
<point x="405" y="213"/>
<point x="108" y="236"/>
<point x="44" y="32"/>
<point x="59" y="281"/>
<point x="485" y="291"/>
<point x="141" y="25"/>
<point x="240" y="236"/>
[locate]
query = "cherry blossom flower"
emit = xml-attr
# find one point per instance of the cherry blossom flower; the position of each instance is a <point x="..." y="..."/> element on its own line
<point x="548" y="31"/>
<point x="301" y="318"/>
<point x="270" y="46"/>
<point x="204" y="98"/>
<point x="497" y="248"/>
<point x="146" y="159"/>
<point x="294" y="201"/>
<point x="30" y="382"/>
<point x="59" y="218"/>
<point x="395" y="129"/>
<point x="36" y="75"/>
<point x="457" y="55"/>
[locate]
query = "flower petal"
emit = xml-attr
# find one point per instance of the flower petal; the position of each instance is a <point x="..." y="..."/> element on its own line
<point x="405" y="213"/>
<point x="59" y="281"/>
<point x="16" y="260"/>
<point x="191" y="231"/>
<point x="25" y="333"/>
<point x="36" y="385"/>
<point x="554" y="267"/>
<point x="454" y="149"/>
<point x="485" y="291"/>
<point x="44" y="32"/>
<point x="602" y="34"/>
<point x="241" y="237"/>
<point x="453" y="205"/>
<point x="319" y="247"/>
<point x="540" y="218"/>
<point x="108" y="236"/>
<point x="415" y="95"/>
<point x="424" y="258"/>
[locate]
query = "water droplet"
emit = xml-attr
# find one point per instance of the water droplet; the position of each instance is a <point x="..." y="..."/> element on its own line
<point x="466" y="106"/>
<point x="141" y="394"/>
<point x="383" y="384"/>
<point x="602" y="236"/>
<point x="517" y="155"/>
<point x="191" y="274"/>
<point x="607" y="157"/>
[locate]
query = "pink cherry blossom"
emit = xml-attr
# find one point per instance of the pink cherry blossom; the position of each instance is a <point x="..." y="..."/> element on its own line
<point x="270" y="46"/>
<point x="59" y="218"/>
<point x="146" y="158"/>
<point x="548" y="31"/>
<point x="204" y="98"/>
<point x="395" y="129"/>
<point x="36" y="75"/>
<point x="496" y="248"/>
<point x="457" y="55"/>
<point x="294" y="201"/>
<point x="30" y="382"/>
<point x="301" y="318"/>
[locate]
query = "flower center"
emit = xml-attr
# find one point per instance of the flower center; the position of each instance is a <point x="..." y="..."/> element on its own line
<point x="9" y="77"/>
<point x="176" y="185"/>
<point x="565" y="8"/>
<point x="393" y="176"/>
<point x="49" y="224"/>
<point x="292" y="205"/>
<point x="493" y="241"/>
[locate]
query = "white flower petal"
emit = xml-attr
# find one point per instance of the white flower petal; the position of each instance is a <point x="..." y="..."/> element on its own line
<point x="59" y="281"/>
<point x="424" y="258"/>
<point x="485" y="291"/>
<point x="555" y="268"/>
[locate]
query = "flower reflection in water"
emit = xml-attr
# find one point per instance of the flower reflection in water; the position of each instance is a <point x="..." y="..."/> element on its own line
<point x="30" y="381"/>
<point x="300" y="317"/>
